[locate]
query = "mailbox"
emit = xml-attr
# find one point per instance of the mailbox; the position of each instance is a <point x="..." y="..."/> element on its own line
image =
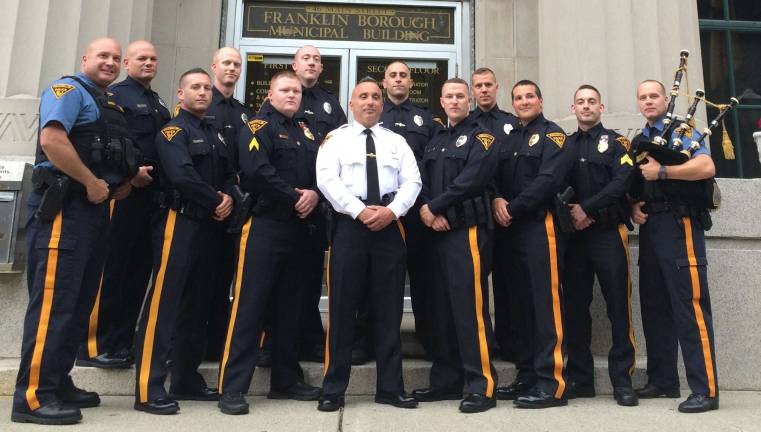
<point x="15" y="183"/>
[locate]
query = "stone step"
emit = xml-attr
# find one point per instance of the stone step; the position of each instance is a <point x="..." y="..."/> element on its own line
<point x="362" y="382"/>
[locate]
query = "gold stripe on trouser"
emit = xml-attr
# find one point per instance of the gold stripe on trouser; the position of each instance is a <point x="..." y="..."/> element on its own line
<point x="557" y="351"/>
<point x="401" y="231"/>
<point x="262" y="338"/>
<point x="153" y="311"/>
<point x="234" y="311"/>
<point x="704" y="342"/>
<point x="483" y="347"/>
<point x="327" y="323"/>
<point x="47" y="304"/>
<point x="92" y="328"/>
<point x="625" y="242"/>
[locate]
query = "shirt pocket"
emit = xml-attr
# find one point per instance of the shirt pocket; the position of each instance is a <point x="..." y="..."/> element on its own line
<point x="599" y="168"/>
<point x="352" y="168"/>
<point x="388" y="170"/>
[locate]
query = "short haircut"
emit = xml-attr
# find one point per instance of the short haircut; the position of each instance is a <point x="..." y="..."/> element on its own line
<point x="660" y="84"/>
<point x="196" y="70"/>
<point x="587" y="87"/>
<point x="285" y="73"/>
<point x="523" y="83"/>
<point x="483" y="71"/>
<point x="455" y="80"/>
<point x="368" y="79"/>
<point x="401" y="62"/>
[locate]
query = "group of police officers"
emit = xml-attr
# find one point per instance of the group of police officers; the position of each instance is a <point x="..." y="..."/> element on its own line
<point x="227" y="214"/>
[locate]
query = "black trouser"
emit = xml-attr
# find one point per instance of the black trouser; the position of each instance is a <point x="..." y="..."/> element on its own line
<point x="504" y="327"/>
<point x="601" y="251"/>
<point x="419" y="268"/>
<point x="371" y="264"/>
<point x="270" y="273"/>
<point x="460" y="310"/>
<point x="312" y="334"/>
<point x="173" y="315"/>
<point x="535" y="258"/>
<point x="126" y="274"/>
<point x="64" y="263"/>
<point x="675" y="303"/>
<point x="220" y="275"/>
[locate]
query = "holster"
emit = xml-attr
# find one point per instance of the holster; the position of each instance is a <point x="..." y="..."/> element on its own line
<point x="54" y="188"/>
<point x="562" y="211"/>
<point x="474" y="211"/>
<point x="242" y="207"/>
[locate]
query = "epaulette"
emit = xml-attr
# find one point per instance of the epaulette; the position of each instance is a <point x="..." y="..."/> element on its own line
<point x="169" y="132"/>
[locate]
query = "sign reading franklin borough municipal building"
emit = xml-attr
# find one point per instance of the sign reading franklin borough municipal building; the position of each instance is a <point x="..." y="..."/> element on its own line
<point x="362" y="23"/>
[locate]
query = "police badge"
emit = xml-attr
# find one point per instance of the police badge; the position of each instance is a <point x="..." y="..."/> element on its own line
<point x="161" y="101"/>
<point x="507" y="128"/>
<point x="307" y="132"/>
<point x="461" y="140"/>
<point x="244" y="117"/>
<point x="418" y="120"/>
<point x="533" y="140"/>
<point x="326" y="106"/>
<point x="221" y="138"/>
<point x="602" y="145"/>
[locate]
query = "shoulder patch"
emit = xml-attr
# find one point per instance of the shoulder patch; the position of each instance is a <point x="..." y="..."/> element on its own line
<point x="170" y="131"/>
<point x="176" y="111"/>
<point x="256" y="124"/>
<point x="327" y="137"/>
<point x="61" y="89"/>
<point x="624" y="142"/>
<point x="439" y="121"/>
<point x="557" y="137"/>
<point x="486" y="139"/>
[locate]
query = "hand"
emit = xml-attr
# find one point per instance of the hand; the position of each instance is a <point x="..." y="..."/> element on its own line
<point x="143" y="177"/>
<point x="366" y="214"/>
<point x="440" y="223"/>
<point x="306" y="203"/>
<point x="650" y="169"/>
<point x="426" y="216"/>
<point x="97" y="190"/>
<point x="224" y="208"/>
<point x="122" y="191"/>
<point x="579" y="217"/>
<point x="638" y="216"/>
<point x="501" y="215"/>
<point x="382" y="217"/>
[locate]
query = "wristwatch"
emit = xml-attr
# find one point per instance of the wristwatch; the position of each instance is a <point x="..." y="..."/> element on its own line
<point x="662" y="173"/>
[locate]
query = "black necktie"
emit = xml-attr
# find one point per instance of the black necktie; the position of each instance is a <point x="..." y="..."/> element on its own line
<point x="653" y="132"/>
<point x="371" y="165"/>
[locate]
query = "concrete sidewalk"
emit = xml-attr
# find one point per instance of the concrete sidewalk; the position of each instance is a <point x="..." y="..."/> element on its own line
<point x="740" y="411"/>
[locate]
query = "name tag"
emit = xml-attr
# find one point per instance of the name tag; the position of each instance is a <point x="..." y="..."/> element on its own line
<point x="141" y="106"/>
<point x="198" y="141"/>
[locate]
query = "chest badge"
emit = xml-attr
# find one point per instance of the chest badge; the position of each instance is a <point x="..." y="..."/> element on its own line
<point x="533" y="140"/>
<point x="418" y="120"/>
<point x="461" y="140"/>
<point x="162" y="103"/>
<point x="221" y="138"/>
<point x="244" y="117"/>
<point x="507" y="128"/>
<point x="307" y="132"/>
<point x="602" y="145"/>
<point x="328" y="109"/>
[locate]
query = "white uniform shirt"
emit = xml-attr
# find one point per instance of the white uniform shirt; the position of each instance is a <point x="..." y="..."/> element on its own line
<point x="342" y="177"/>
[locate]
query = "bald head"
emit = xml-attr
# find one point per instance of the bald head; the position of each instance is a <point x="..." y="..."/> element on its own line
<point x="141" y="62"/>
<point x="226" y="65"/>
<point x="307" y="63"/>
<point x="101" y="61"/>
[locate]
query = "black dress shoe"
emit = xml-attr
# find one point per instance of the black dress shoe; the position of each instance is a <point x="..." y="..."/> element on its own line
<point x="401" y="400"/>
<point x="575" y="390"/>
<point x="265" y="359"/>
<point x="539" y="399"/>
<point x="625" y="396"/>
<point x="53" y="413"/>
<point x="651" y="391"/>
<point x="233" y="404"/>
<point x="70" y="394"/>
<point x="330" y="404"/>
<point x="513" y="391"/>
<point x="105" y="361"/>
<point x="300" y="391"/>
<point x="358" y="356"/>
<point x="160" y="406"/>
<point x="696" y="403"/>
<point x="433" y="394"/>
<point x="476" y="402"/>
<point x="203" y="394"/>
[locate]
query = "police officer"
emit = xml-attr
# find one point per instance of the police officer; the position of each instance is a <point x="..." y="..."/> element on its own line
<point x="196" y="178"/>
<point x="532" y="168"/>
<point x="82" y="133"/>
<point x="457" y="168"/>
<point x="129" y="262"/>
<point x="601" y="176"/>
<point x="484" y="87"/>
<point x="277" y="165"/>
<point x="417" y="127"/>
<point x="228" y="116"/>
<point x="370" y="187"/>
<point x="671" y="211"/>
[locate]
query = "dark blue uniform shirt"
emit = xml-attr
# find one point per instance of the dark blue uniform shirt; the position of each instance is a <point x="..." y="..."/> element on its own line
<point x="412" y="122"/>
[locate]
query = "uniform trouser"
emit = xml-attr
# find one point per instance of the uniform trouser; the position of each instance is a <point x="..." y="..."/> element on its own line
<point x="129" y="262"/>
<point x="172" y="315"/>
<point x="535" y="251"/>
<point x="270" y="273"/>
<point x="419" y="268"/>
<point x="601" y="251"/>
<point x="504" y="326"/>
<point x="64" y="264"/>
<point x="220" y="275"/>
<point x="460" y="310"/>
<point x="675" y="303"/>
<point x="370" y="264"/>
<point x="312" y="334"/>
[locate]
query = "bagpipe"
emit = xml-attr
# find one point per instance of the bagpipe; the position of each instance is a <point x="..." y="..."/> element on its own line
<point x="668" y="148"/>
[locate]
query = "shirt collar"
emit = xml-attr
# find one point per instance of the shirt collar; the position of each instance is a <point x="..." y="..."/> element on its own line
<point x="87" y="80"/>
<point x="136" y="84"/>
<point x="359" y="129"/>
<point x="593" y="132"/>
<point x="195" y="121"/>
<point x="388" y="105"/>
<point x="658" y="125"/>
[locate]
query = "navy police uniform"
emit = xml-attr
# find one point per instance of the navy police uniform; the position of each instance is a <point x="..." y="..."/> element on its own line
<point x="194" y="168"/>
<point x="674" y="297"/>
<point x="601" y="177"/>
<point x="129" y="263"/>
<point x="67" y="247"/>
<point x="457" y="169"/>
<point x="532" y="169"/>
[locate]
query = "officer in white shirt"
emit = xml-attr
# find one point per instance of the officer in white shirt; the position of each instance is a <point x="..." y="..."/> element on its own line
<point x="370" y="176"/>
